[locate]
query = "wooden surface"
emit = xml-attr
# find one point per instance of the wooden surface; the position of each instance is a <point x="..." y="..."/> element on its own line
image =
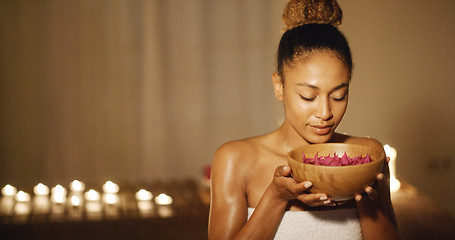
<point x="417" y="216"/>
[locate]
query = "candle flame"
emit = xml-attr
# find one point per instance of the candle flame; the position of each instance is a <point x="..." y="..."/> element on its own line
<point x="22" y="196"/>
<point x="144" y="195"/>
<point x="59" y="190"/>
<point x="92" y="195"/>
<point x="41" y="189"/>
<point x="75" y="200"/>
<point x="110" y="187"/>
<point x="111" y="198"/>
<point x="77" y="186"/>
<point x="9" y="190"/>
<point x="163" y="199"/>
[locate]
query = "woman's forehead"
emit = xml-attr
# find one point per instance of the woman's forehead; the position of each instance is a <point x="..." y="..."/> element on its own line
<point x="316" y="69"/>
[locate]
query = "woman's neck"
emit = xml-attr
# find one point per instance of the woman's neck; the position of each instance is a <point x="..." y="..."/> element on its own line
<point x="287" y="138"/>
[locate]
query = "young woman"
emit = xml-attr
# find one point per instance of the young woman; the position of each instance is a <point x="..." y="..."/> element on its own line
<point x="253" y="194"/>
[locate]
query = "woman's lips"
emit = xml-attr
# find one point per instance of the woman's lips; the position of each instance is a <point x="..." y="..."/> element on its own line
<point x="321" y="129"/>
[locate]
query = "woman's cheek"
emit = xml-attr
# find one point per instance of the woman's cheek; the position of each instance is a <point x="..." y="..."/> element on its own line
<point x="339" y="111"/>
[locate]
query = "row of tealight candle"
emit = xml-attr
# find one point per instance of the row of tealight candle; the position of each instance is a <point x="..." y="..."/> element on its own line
<point x="59" y="194"/>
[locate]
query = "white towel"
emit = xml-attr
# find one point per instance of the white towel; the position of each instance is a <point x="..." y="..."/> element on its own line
<point x="331" y="224"/>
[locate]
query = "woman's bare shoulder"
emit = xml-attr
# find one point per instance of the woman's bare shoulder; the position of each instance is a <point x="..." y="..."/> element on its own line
<point x="238" y="150"/>
<point x="242" y="155"/>
<point x="230" y="168"/>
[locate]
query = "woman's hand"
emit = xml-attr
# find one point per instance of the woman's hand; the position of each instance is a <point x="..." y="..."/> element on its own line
<point x="371" y="192"/>
<point x="376" y="215"/>
<point x="286" y="188"/>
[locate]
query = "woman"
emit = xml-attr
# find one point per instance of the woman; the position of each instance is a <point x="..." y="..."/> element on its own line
<point x="253" y="194"/>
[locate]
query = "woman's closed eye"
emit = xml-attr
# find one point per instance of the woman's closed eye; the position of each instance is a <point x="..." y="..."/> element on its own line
<point x="308" y="99"/>
<point x="339" y="98"/>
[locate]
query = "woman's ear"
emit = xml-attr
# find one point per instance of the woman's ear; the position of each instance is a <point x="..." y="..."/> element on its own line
<point x="277" y="86"/>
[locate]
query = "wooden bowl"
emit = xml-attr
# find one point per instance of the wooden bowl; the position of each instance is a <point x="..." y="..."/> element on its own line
<point x="338" y="182"/>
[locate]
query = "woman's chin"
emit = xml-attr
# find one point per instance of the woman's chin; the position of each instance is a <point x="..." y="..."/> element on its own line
<point x="315" y="139"/>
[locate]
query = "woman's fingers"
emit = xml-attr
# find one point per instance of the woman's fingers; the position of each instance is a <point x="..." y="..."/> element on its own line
<point x="294" y="190"/>
<point x="314" y="200"/>
<point x="372" y="193"/>
<point x="358" y="197"/>
<point x="299" y="188"/>
<point x="381" y="180"/>
<point x="283" y="171"/>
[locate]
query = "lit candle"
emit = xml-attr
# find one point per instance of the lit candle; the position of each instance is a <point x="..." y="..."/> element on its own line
<point x="77" y="186"/>
<point x="392" y="154"/>
<point x="58" y="190"/>
<point x="75" y="201"/>
<point x="164" y="205"/>
<point x="163" y="199"/>
<point x="111" y="198"/>
<point x="92" y="195"/>
<point x="58" y="198"/>
<point x="22" y="206"/>
<point x="75" y="212"/>
<point x="41" y="189"/>
<point x="22" y="196"/>
<point x="58" y="194"/>
<point x="110" y="187"/>
<point x="22" y="209"/>
<point x="144" y="203"/>
<point x="144" y="195"/>
<point x="9" y="190"/>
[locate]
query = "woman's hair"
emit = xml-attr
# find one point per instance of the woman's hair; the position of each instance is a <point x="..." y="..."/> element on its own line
<point x="311" y="25"/>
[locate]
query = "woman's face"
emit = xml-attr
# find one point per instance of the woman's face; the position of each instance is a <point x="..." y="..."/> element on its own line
<point x="314" y="95"/>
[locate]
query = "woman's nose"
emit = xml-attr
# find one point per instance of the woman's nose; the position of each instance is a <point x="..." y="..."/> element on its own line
<point x="323" y="110"/>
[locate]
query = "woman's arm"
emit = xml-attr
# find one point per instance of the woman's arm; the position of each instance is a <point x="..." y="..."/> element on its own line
<point x="377" y="218"/>
<point x="229" y="206"/>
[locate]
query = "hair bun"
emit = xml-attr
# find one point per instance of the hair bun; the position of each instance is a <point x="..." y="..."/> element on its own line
<point x="299" y="12"/>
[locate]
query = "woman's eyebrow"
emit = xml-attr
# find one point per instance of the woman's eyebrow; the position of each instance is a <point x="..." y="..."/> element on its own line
<point x="315" y="87"/>
<point x="341" y="86"/>
<point x="307" y="85"/>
